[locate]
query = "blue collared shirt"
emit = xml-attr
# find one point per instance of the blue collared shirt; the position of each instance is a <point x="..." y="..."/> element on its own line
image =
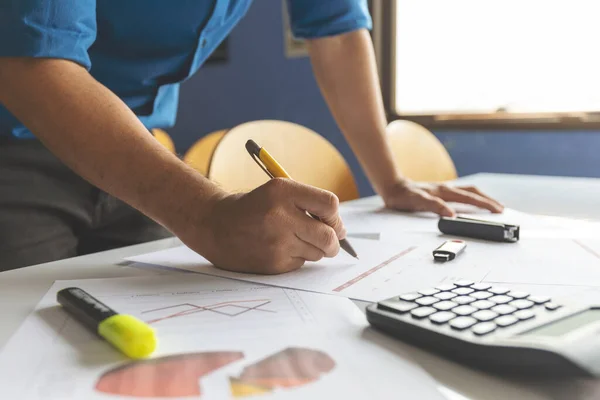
<point x="143" y="49"/>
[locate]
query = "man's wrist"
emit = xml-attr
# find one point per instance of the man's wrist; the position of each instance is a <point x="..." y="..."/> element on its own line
<point x="393" y="187"/>
<point x="187" y="203"/>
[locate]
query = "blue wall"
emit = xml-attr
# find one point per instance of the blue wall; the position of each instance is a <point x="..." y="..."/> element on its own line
<point x="259" y="82"/>
<point x="566" y="153"/>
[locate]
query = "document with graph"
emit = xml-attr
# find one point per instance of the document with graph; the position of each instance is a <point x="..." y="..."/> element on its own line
<point x="385" y="268"/>
<point x="218" y="339"/>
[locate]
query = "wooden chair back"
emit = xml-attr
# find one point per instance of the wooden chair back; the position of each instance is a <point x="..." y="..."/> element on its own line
<point x="164" y="139"/>
<point x="307" y="157"/>
<point x="420" y="156"/>
<point x="198" y="156"/>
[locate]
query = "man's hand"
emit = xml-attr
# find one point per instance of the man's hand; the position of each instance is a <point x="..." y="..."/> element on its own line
<point x="267" y="231"/>
<point x="408" y="196"/>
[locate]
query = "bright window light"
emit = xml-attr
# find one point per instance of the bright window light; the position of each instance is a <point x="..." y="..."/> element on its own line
<point x="481" y="56"/>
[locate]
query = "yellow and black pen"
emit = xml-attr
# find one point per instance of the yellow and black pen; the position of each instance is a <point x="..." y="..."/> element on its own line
<point x="275" y="170"/>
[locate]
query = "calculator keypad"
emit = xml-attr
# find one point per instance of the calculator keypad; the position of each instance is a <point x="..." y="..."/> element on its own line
<point x="504" y="309"/>
<point x="428" y="292"/>
<point x="483" y="304"/>
<point x="485" y="315"/>
<point x="462" y="291"/>
<point x="422" y="312"/>
<point x="524" y="314"/>
<point x="464" y="310"/>
<point x="445" y="295"/>
<point x="506" y="320"/>
<point x="521" y="304"/>
<point x="445" y="305"/>
<point x="441" y="317"/>
<point x="484" y="328"/>
<point x="426" y="301"/>
<point x="481" y="295"/>
<point x="461" y="323"/>
<point x="463" y="299"/>
<point x="410" y="296"/>
<point x="500" y="299"/>
<point x="478" y="307"/>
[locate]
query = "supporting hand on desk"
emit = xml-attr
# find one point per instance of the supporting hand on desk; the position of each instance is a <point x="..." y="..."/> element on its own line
<point x="267" y="231"/>
<point x="410" y="196"/>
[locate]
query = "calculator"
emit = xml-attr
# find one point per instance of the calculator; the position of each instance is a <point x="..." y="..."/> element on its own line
<point x="495" y="328"/>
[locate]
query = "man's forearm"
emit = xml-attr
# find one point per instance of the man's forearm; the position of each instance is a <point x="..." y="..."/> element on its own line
<point x="94" y="133"/>
<point x="346" y="71"/>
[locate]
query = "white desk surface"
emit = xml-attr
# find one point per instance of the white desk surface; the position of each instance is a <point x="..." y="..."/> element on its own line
<point x="21" y="289"/>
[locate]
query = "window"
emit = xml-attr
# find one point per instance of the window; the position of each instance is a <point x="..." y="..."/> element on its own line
<point x="486" y="62"/>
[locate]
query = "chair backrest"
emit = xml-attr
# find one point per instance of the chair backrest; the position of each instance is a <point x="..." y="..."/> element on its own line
<point x="198" y="156"/>
<point x="164" y="139"/>
<point x="307" y="157"/>
<point x="420" y="156"/>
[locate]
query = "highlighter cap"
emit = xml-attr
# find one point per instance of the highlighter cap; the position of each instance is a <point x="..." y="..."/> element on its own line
<point x="128" y="334"/>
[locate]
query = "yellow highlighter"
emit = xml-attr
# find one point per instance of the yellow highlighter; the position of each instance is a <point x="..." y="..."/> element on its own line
<point x="275" y="170"/>
<point x="131" y="336"/>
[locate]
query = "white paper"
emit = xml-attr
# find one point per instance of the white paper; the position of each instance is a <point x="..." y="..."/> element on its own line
<point x="384" y="269"/>
<point x="548" y="253"/>
<point x="393" y="223"/>
<point x="218" y="335"/>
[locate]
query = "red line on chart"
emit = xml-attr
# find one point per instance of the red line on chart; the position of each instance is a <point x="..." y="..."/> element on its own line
<point x="587" y="248"/>
<point x="372" y="270"/>
<point x="212" y="308"/>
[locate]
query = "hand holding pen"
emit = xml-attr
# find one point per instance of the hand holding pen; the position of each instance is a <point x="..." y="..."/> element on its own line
<point x="267" y="230"/>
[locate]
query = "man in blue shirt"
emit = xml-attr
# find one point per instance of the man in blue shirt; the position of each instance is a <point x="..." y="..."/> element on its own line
<point x="83" y="81"/>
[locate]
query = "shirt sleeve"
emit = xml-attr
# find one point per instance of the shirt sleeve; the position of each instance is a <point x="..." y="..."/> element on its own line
<point x="311" y="19"/>
<point x="48" y="29"/>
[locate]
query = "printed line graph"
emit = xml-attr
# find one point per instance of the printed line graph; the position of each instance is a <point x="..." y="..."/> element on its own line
<point x="227" y="308"/>
<point x="373" y="270"/>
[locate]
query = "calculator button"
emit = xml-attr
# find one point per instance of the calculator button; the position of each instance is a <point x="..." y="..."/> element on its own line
<point x="539" y="299"/>
<point x="521" y="304"/>
<point x="446" y="287"/>
<point x="428" y="292"/>
<point x="485" y="315"/>
<point x="552" y="306"/>
<point x="481" y="295"/>
<point x="504" y="309"/>
<point x="445" y="305"/>
<point x="463" y="282"/>
<point x="445" y="295"/>
<point x="422" y="312"/>
<point x="481" y="286"/>
<point x="500" y="299"/>
<point x="506" y="320"/>
<point x="426" y="301"/>
<point x="410" y="296"/>
<point x="461" y="323"/>
<point x="524" y="314"/>
<point x="398" y="306"/>
<point x="483" y="328"/>
<point x="441" y="317"/>
<point x="499" y="290"/>
<point x="463" y="290"/>
<point x="483" y="304"/>
<point x="464" y="310"/>
<point x="463" y="299"/>
<point x="515" y="294"/>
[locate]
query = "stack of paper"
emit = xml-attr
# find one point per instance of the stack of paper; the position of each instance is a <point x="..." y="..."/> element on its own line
<point x="218" y="339"/>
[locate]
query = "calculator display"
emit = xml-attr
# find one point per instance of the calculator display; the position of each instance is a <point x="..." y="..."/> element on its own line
<point x="566" y="325"/>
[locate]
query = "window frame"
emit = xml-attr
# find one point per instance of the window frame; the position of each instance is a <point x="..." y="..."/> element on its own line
<point x="383" y="34"/>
